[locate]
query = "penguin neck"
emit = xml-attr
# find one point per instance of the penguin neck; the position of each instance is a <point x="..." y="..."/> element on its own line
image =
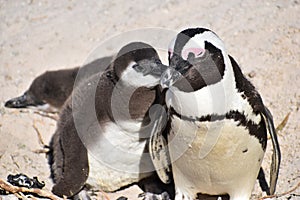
<point x="212" y="99"/>
<point x="217" y="99"/>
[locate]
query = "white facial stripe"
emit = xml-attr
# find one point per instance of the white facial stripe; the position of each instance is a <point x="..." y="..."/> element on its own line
<point x="131" y="77"/>
<point x="197" y="51"/>
<point x="199" y="39"/>
<point x="198" y="42"/>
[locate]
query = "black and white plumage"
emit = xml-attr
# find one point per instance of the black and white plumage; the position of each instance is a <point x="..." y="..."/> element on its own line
<point x="101" y="136"/>
<point x="49" y="91"/>
<point x="218" y="124"/>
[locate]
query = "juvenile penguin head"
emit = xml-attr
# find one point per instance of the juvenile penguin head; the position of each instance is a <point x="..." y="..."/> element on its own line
<point x="138" y="64"/>
<point x="47" y="92"/>
<point x="32" y="98"/>
<point x="197" y="59"/>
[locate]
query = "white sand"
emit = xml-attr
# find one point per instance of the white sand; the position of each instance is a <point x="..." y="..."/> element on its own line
<point x="263" y="36"/>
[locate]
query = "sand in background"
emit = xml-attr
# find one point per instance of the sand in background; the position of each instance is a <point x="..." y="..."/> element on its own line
<point x="35" y="36"/>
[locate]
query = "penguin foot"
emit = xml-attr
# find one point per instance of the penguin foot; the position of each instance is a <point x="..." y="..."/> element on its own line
<point x="152" y="196"/>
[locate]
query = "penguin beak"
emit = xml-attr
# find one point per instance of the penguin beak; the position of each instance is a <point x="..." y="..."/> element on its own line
<point x="177" y="70"/>
<point x="169" y="77"/>
<point x="22" y="102"/>
<point x="150" y="67"/>
<point x="158" y="69"/>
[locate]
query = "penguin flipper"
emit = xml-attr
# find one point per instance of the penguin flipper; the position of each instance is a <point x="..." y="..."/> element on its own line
<point x="276" y="156"/>
<point x="262" y="181"/>
<point x="69" y="162"/>
<point x="158" y="146"/>
<point x="72" y="174"/>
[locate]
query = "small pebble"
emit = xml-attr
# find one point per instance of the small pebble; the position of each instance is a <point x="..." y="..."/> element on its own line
<point x="251" y="74"/>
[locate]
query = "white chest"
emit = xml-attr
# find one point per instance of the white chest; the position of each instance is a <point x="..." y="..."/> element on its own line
<point x="214" y="157"/>
<point x="118" y="160"/>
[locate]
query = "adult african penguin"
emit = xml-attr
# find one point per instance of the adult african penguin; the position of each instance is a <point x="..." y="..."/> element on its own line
<point x="218" y="124"/>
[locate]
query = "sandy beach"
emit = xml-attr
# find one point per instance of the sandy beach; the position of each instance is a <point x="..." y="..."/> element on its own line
<point x="35" y="36"/>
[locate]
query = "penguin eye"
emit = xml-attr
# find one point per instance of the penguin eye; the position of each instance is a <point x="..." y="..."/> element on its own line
<point x="192" y="53"/>
<point x="143" y="69"/>
<point x="138" y="68"/>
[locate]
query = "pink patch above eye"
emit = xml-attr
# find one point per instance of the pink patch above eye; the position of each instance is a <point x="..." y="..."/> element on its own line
<point x="198" y="52"/>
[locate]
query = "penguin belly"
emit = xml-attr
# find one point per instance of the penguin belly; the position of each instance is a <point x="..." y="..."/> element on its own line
<point x="118" y="159"/>
<point x="213" y="157"/>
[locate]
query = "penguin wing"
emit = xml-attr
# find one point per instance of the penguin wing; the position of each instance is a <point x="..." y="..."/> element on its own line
<point x="69" y="159"/>
<point x="276" y="157"/>
<point x="158" y="146"/>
